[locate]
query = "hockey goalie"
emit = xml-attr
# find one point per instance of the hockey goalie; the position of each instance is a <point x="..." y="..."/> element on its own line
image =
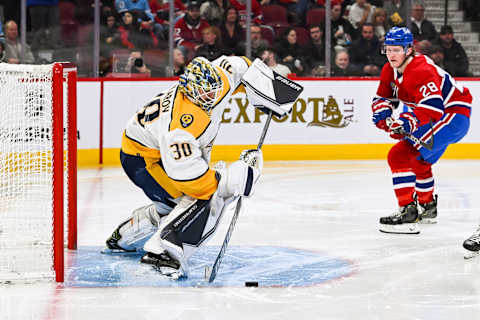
<point x="166" y="152"/>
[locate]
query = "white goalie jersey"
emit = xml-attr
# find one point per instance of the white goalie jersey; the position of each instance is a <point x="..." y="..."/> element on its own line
<point x="175" y="136"/>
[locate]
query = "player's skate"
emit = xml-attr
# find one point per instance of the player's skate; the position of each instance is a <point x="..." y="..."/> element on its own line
<point x="112" y="246"/>
<point x="472" y="245"/>
<point x="164" y="263"/>
<point x="428" y="212"/>
<point x="132" y="234"/>
<point x="403" y="221"/>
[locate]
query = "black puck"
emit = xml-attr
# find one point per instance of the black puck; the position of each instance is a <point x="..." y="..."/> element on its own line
<point x="251" y="284"/>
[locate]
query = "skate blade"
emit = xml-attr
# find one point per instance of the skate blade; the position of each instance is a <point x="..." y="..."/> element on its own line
<point x="406" y="228"/>
<point x="116" y="251"/>
<point x="470" y="254"/>
<point x="170" y="273"/>
<point x="428" y="221"/>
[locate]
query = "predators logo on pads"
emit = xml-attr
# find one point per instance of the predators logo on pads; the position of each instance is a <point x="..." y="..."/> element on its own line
<point x="186" y="120"/>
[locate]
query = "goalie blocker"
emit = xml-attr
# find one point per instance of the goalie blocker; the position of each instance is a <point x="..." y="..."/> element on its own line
<point x="269" y="91"/>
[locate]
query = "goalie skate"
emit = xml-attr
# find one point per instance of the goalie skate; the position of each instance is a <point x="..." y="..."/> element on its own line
<point x="428" y="212"/>
<point x="472" y="245"/>
<point x="112" y="246"/>
<point x="404" y="221"/>
<point x="132" y="234"/>
<point x="165" y="264"/>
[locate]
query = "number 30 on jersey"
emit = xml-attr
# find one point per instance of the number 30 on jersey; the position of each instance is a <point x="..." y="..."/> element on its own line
<point x="181" y="150"/>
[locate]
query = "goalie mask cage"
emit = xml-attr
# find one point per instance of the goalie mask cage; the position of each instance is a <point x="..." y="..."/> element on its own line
<point x="38" y="145"/>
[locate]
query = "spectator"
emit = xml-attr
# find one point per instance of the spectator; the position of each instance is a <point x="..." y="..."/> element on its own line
<point x="423" y="47"/>
<point x="342" y="30"/>
<point x="232" y="32"/>
<point x="178" y="62"/>
<point x="365" y="52"/>
<point x="361" y="12"/>
<point x="438" y="56"/>
<point x="214" y="11"/>
<point x="188" y="30"/>
<point x="422" y="28"/>
<point x="136" y="64"/>
<point x="142" y="11"/>
<point x="2" y="52"/>
<point x="316" y="47"/>
<point x="396" y="11"/>
<point x="141" y="8"/>
<point x="258" y="43"/>
<point x="160" y="10"/>
<point x="269" y="58"/>
<point x="212" y="47"/>
<point x="13" y="47"/>
<point x="109" y="35"/>
<point x="2" y="35"/>
<point x="456" y="60"/>
<point x="342" y="67"/>
<point x="290" y="52"/>
<point x="133" y="36"/>
<point x="241" y="7"/>
<point x="108" y="7"/>
<point x="380" y="23"/>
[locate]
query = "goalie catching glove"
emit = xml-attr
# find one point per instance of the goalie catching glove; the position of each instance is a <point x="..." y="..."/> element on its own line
<point x="240" y="178"/>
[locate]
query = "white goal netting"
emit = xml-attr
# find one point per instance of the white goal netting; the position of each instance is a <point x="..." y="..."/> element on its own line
<point x="26" y="175"/>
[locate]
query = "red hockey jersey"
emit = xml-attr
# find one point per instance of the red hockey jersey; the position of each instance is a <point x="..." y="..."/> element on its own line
<point x="241" y="7"/>
<point x="426" y="88"/>
<point x="187" y="35"/>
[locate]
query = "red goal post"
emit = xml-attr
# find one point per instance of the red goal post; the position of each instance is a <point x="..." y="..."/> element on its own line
<point x="38" y="173"/>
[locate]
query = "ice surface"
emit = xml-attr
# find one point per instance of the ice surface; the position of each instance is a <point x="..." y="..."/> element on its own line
<point x="319" y="218"/>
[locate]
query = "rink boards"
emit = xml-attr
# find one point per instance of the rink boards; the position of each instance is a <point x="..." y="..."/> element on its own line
<point x="330" y="120"/>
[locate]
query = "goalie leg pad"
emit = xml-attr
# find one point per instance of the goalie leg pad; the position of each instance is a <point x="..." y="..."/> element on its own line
<point x="190" y="224"/>
<point x="132" y="234"/>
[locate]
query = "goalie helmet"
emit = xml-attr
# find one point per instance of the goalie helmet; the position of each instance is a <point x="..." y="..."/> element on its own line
<point x="202" y="83"/>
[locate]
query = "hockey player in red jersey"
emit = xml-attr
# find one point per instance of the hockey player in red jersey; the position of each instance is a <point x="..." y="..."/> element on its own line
<point x="438" y="110"/>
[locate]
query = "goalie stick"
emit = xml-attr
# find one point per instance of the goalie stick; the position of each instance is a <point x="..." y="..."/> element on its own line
<point x="428" y="146"/>
<point x="211" y="273"/>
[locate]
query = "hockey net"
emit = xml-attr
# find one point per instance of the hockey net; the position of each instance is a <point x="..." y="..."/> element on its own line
<point x="37" y="170"/>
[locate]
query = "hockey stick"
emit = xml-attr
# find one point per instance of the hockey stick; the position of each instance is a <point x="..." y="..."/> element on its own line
<point x="211" y="273"/>
<point x="428" y="146"/>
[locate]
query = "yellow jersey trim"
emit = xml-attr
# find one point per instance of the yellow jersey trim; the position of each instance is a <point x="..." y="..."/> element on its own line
<point x="199" y="118"/>
<point x="201" y="188"/>
<point x="156" y="171"/>
<point x="135" y="148"/>
<point x="248" y="61"/>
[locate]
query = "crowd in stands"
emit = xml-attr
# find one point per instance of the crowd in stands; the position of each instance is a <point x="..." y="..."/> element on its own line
<point x="288" y="35"/>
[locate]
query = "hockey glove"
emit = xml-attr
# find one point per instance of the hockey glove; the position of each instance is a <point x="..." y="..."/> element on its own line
<point x="253" y="157"/>
<point x="238" y="179"/>
<point x="406" y="123"/>
<point x="382" y="109"/>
